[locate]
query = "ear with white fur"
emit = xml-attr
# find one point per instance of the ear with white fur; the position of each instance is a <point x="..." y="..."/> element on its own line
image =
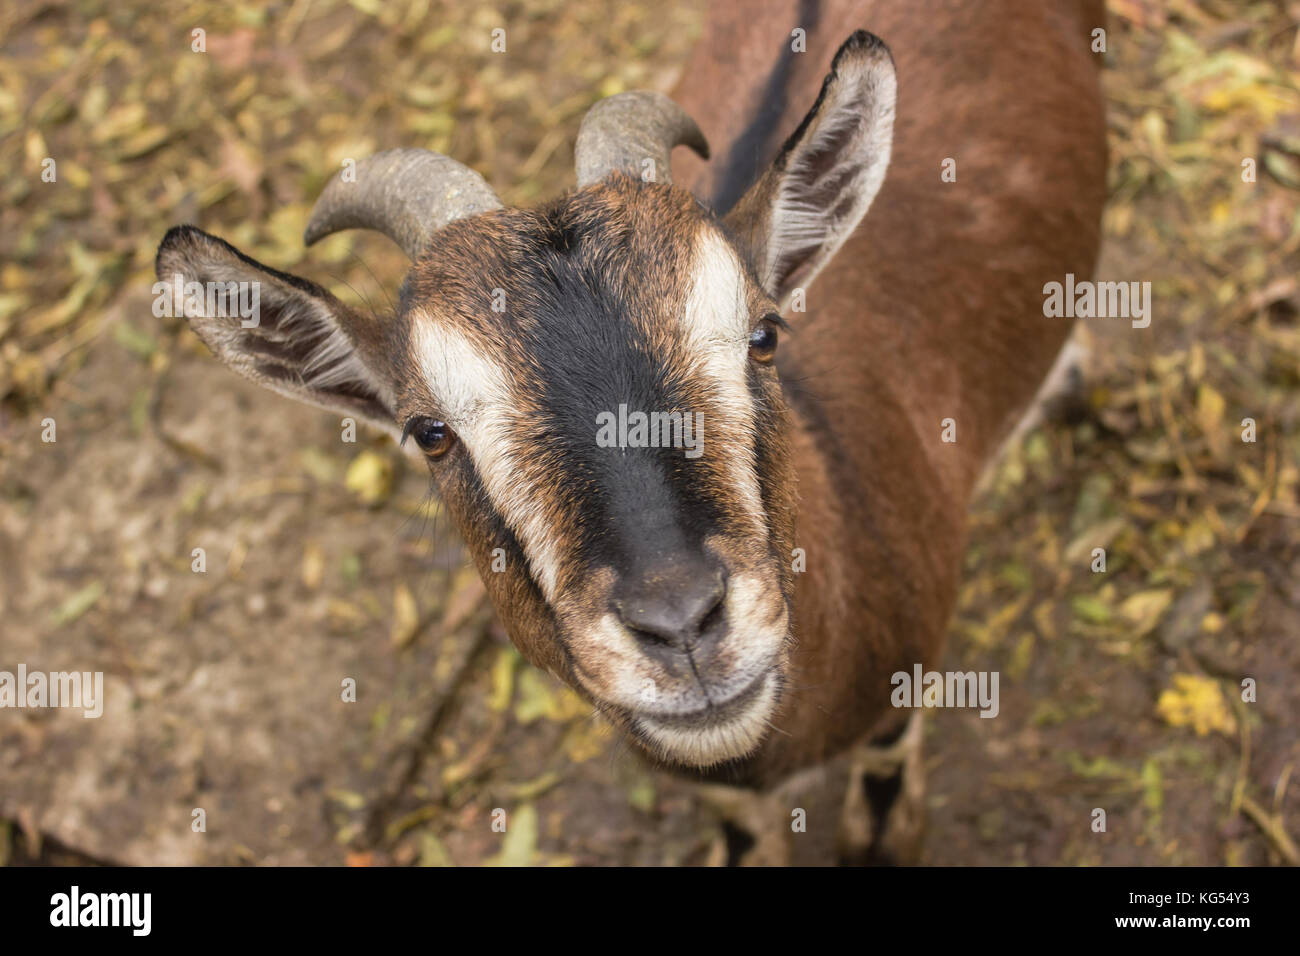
<point x="283" y="332"/>
<point x="808" y="202"/>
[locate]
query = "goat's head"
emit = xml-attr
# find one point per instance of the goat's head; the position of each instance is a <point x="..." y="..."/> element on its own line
<point x="592" y="383"/>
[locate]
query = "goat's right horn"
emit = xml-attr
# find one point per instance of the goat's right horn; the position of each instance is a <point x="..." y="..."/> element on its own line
<point x="622" y="131"/>
<point x="407" y="194"/>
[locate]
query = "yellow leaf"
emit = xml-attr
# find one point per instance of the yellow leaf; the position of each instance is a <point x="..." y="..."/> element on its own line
<point x="585" y="741"/>
<point x="370" y="477"/>
<point x="77" y="176"/>
<point x="503" y="679"/>
<point x="1264" y="100"/>
<point x="313" y="565"/>
<point x="536" y="696"/>
<point x="569" y="705"/>
<point x="1143" y="610"/>
<point x="1098" y="535"/>
<point x="432" y="852"/>
<point x="519" y="845"/>
<point x="35" y="148"/>
<point x="406" y="616"/>
<point x="345" y="614"/>
<point x="120" y="121"/>
<point x="1209" y="409"/>
<point x="1196" y="702"/>
<point x="1153" y="125"/>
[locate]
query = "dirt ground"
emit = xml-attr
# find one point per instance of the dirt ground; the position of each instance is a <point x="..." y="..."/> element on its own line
<point x="326" y="561"/>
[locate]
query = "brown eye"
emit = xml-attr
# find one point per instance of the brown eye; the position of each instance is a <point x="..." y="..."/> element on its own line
<point x="435" y="438"/>
<point x="762" y="341"/>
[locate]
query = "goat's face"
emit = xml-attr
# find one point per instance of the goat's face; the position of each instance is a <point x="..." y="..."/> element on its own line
<point x="647" y="566"/>
<point x="593" y="385"/>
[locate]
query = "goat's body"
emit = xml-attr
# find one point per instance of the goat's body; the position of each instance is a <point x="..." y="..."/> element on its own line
<point x="932" y="310"/>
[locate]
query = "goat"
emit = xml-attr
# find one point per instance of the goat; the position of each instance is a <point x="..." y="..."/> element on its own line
<point x="809" y="549"/>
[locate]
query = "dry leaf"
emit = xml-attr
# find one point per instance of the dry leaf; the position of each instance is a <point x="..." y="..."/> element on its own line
<point x="1196" y="702"/>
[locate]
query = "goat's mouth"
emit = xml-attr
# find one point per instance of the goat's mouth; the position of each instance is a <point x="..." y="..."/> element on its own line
<point x="717" y="732"/>
<point x="691" y="696"/>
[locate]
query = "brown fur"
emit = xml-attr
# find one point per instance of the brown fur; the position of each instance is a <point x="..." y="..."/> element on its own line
<point x="931" y="310"/>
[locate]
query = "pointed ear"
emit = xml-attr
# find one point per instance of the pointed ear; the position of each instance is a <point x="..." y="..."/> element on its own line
<point x="803" y="207"/>
<point x="283" y="332"/>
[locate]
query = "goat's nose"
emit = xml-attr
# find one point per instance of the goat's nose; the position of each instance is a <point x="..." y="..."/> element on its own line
<point x="675" y="605"/>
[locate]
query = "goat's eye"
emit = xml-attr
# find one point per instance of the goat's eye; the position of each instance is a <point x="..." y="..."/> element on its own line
<point x="435" y="438"/>
<point x="762" y="341"/>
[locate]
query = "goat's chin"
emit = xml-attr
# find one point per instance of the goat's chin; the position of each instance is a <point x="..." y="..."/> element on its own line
<point x="712" y="737"/>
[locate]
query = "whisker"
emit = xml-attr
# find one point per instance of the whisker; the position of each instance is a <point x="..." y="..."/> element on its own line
<point x="392" y="306"/>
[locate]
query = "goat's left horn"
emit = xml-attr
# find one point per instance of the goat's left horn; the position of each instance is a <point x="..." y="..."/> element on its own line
<point x="622" y="131"/>
<point x="407" y="194"/>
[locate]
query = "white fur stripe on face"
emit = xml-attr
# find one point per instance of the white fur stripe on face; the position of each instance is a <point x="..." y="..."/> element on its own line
<point x="475" y="398"/>
<point x="716" y="323"/>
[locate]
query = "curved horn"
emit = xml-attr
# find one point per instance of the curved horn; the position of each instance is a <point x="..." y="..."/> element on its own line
<point x="407" y="194"/>
<point x="621" y="131"/>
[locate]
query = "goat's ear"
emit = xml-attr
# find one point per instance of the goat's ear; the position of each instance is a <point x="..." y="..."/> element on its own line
<point x="283" y="332"/>
<point x="803" y="207"/>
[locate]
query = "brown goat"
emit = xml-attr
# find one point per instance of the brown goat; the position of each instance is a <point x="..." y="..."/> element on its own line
<point x="778" y="572"/>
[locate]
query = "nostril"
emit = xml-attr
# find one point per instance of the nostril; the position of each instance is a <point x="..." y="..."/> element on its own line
<point x="652" y="638"/>
<point x="674" y="613"/>
<point x="713" y="619"/>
